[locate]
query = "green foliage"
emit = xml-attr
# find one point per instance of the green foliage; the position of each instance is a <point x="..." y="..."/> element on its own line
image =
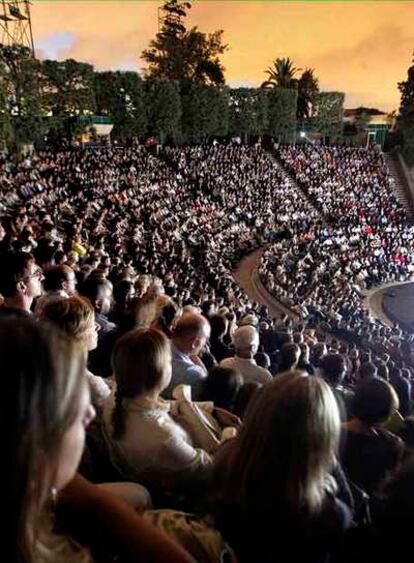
<point x="282" y="114"/>
<point x="184" y="55"/>
<point x="205" y="112"/>
<point x="248" y="112"/>
<point x="121" y="96"/>
<point x="281" y="74"/>
<point x="163" y="108"/>
<point x="328" y="116"/>
<point x="406" y="118"/>
<point x="308" y="87"/>
<point x="68" y="92"/>
<point x="20" y="102"/>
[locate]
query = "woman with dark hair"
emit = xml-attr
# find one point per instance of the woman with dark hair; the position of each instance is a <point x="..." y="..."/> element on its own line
<point x="221" y="387"/>
<point x="219" y="325"/>
<point x="370" y="452"/>
<point x="274" y="491"/>
<point x="45" y="411"/>
<point x="166" y="315"/>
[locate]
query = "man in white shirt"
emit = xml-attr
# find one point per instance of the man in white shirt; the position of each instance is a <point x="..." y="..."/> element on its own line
<point x="246" y="344"/>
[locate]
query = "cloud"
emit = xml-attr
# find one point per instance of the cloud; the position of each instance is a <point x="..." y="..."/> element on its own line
<point x="361" y="48"/>
<point x="374" y="65"/>
<point x="50" y="46"/>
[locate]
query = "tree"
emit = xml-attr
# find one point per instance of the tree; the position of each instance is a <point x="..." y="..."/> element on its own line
<point x="248" y="112"/>
<point x="121" y="96"/>
<point x="68" y="93"/>
<point x="406" y="118"/>
<point x="205" y="112"/>
<point x="184" y="55"/>
<point x="281" y="74"/>
<point x="308" y="87"/>
<point x="329" y="112"/>
<point x="282" y="114"/>
<point x="163" y="105"/>
<point x="20" y="100"/>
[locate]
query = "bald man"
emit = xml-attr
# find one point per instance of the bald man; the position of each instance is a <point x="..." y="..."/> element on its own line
<point x="189" y="337"/>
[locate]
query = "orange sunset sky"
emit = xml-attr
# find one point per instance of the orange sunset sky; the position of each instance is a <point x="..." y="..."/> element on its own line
<point x="361" y="48"/>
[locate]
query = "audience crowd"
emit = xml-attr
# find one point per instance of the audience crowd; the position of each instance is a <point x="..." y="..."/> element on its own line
<point x="152" y="411"/>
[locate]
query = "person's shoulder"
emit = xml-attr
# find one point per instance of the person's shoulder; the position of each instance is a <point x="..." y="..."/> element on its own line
<point x="227" y="362"/>
<point x="336" y="514"/>
<point x="264" y="373"/>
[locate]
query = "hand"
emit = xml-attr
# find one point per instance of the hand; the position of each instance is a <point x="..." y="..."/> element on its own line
<point x="226" y="418"/>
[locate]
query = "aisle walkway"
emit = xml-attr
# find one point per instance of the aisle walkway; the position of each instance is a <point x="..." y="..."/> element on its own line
<point x="389" y="303"/>
<point x="247" y="276"/>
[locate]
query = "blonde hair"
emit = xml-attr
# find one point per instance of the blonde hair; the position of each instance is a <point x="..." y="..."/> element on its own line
<point x="72" y="316"/>
<point x="139" y="361"/>
<point x="286" y="448"/>
<point x="41" y="402"/>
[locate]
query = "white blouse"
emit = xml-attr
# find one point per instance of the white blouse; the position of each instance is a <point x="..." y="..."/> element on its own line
<point x="154" y="448"/>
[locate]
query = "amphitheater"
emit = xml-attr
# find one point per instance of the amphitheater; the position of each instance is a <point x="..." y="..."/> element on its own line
<point x="242" y="316"/>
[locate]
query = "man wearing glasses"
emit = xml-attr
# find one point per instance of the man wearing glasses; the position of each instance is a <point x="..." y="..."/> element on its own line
<point x="20" y="283"/>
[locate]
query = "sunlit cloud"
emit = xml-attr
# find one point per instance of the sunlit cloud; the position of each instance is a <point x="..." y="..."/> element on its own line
<point x="361" y="48"/>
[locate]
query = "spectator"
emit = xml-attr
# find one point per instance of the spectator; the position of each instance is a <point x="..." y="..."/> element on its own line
<point x="59" y="283"/>
<point x="75" y="318"/>
<point x="246" y="344"/>
<point x="221" y="387"/>
<point x="259" y="487"/>
<point x="371" y="453"/>
<point x="147" y="444"/>
<point x="20" y="283"/>
<point x="190" y="335"/>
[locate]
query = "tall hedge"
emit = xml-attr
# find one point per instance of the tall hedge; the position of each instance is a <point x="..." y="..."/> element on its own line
<point x="329" y="113"/>
<point x="282" y="104"/>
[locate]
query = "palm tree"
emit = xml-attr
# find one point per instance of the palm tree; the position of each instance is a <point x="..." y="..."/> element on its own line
<point x="308" y="87"/>
<point x="281" y="74"/>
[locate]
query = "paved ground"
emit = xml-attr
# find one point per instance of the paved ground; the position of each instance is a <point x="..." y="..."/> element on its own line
<point x="246" y="275"/>
<point x="398" y="304"/>
<point x="394" y="302"/>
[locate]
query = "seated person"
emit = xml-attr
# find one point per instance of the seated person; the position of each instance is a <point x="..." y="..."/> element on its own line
<point x="59" y="283"/>
<point x="246" y="345"/>
<point x="219" y="325"/>
<point x="332" y="369"/>
<point x="371" y="453"/>
<point x="188" y="339"/>
<point x="76" y="319"/>
<point x="267" y="481"/>
<point x="45" y="412"/>
<point x="20" y="283"/>
<point x="147" y="444"/>
<point x="221" y="387"/>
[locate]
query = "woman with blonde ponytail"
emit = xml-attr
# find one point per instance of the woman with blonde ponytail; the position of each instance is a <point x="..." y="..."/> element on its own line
<point x="148" y="446"/>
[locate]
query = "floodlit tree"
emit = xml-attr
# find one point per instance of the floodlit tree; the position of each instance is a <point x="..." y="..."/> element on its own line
<point x="68" y="93"/>
<point x="406" y="118"/>
<point x="121" y="96"/>
<point x="308" y="87"/>
<point x="205" y="112"/>
<point x="163" y="105"/>
<point x="20" y="100"/>
<point x="282" y="114"/>
<point x="329" y="113"/>
<point x="184" y="55"/>
<point x="248" y="112"/>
